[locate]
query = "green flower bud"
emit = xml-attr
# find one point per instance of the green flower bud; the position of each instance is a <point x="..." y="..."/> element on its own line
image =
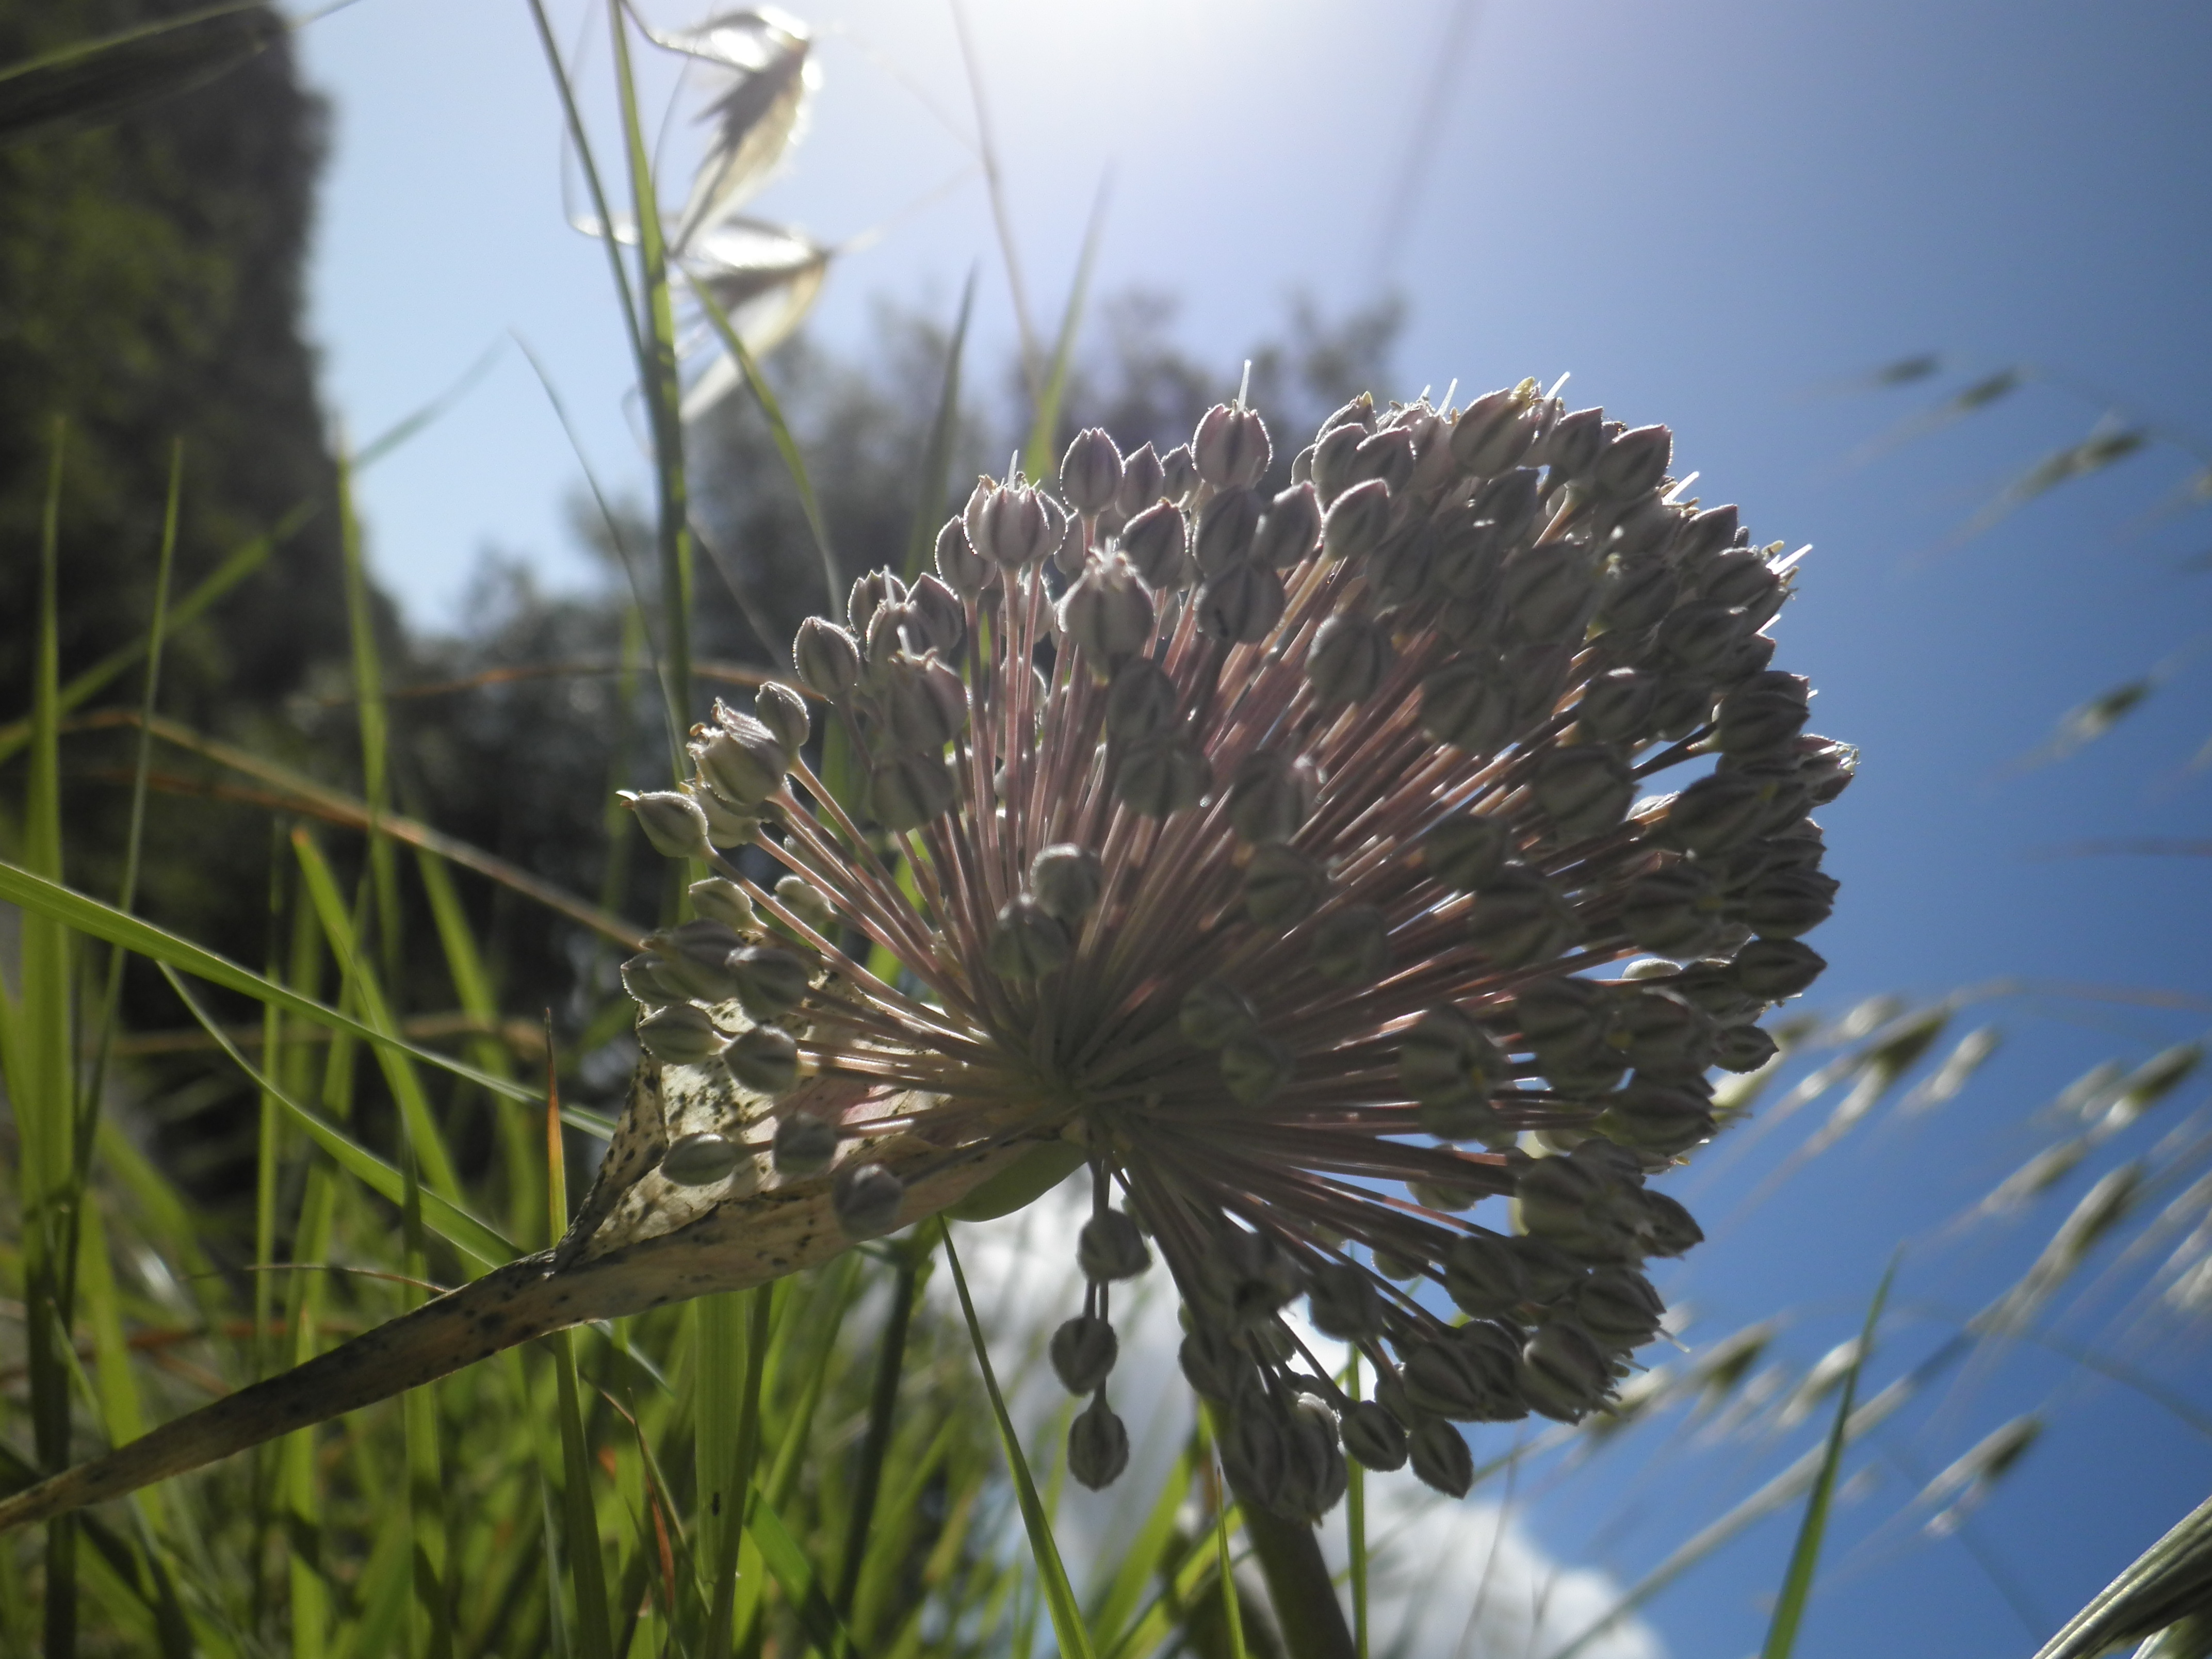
<point x="1439" y="1195"/>
<point x="960" y="565"/>
<point x="1564" y="1374"/>
<point x="1253" y="1067"/>
<point x="1372" y="1436"/>
<point x="1029" y="942"/>
<point x="1160" y="775"/>
<point x="1142" y="702"/>
<point x="1440" y="1457"/>
<point x="1763" y="715"/>
<point x="1550" y="590"/>
<point x="1352" y="946"/>
<point x="1464" y="706"/>
<point x="1703" y="535"/>
<point x="1313" y="1467"/>
<point x="1568" y="1203"/>
<point x="1386" y="457"/>
<point x="1270" y="796"/>
<point x="1241" y="604"/>
<point x="1551" y="1273"/>
<point x="1716" y="813"/>
<point x="1142" y="482"/>
<point x="1773" y="969"/>
<point x="1633" y="463"/>
<point x="771" y="982"/>
<point x="1674" y="910"/>
<point x="680" y="1035"/>
<point x="699" y="1160"/>
<point x="1700" y="637"/>
<point x="1178" y="474"/>
<point x="1212" y="1364"/>
<point x="827" y="659"/>
<point x="1111" y="1247"/>
<point x="673" y="824"/>
<point x="726" y="826"/>
<point x="1356" y="519"/>
<point x="1466" y="851"/>
<point x="1619" y="1308"/>
<point x="1744" y="1048"/>
<point x="1108" y="612"/>
<point x="1212" y="1013"/>
<point x="1788" y="903"/>
<point x="1230" y="448"/>
<point x="766" y="1059"/>
<point x="807" y="902"/>
<point x="1154" y="541"/>
<point x="783" y="711"/>
<point x="1282" y="887"/>
<point x="1090" y="474"/>
<point x="1227" y="526"/>
<point x="1009" y="526"/>
<point x="1253" y="1451"/>
<point x="1585" y="790"/>
<point x="1493" y="432"/>
<point x="1447" y="1059"/>
<point x="1066" y="880"/>
<point x="938" y="617"/>
<point x="1082" y="1353"/>
<point x="866" y="1198"/>
<point x="1571" y="448"/>
<point x="1333" y="462"/>
<point x="1347" y="659"/>
<point x="1662" y="1034"/>
<point x="805" y="1145"/>
<point x="695" y="956"/>
<point x="1654" y="1117"/>
<point x="1442" y="1380"/>
<point x="1635" y="596"/>
<point x="1484" y="1274"/>
<point x="1289" y="531"/>
<point x="1519" y="917"/>
<point x="647" y="986"/>
<point x="1740" y="578"/>
<point x="907" y="790"/>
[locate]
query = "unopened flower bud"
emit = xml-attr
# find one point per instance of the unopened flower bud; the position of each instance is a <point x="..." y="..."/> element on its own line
<point x="1251" y="1275"/>
<point x="1772" y="969"/>
<point x="1142" y="702"/>
<point x="647" y="985"/>
<point x="1029" y="942"/>
<point x="1270" y="796"/>
<point x="1789" y="902"/>
<point x="1571" y="446"/>
<point x="1744" y="1048"/>
<point x="1740" y="579"/>
<point x="1485" y="1276"/>
<point x="1290" y="530"/>
<point x="807" y="902"/>
<point x="1510" y="502"/>
<point x="765" y="1059"/>
<point x="1110" y="1246"/>
<point x="694" y="957"/>
<point x="699" y="1160"/>
<point x="1372" y="1438"/>
<point x="1493" y="432"/>
<point x="1090" y="473"/>
<point x="1153" y="542"/>
<point x="1585" y="790"/>
<point x="673" y="824"/>
<point x="1633" y="463"/>
<point x="1447" y="1059"/>
<point x="1253" y="1451"/>
<point x="1212" y="1364"/>
<point x="1282" y="887"/>
<point x="771" y="982"/>
<point x="1160" y="775"/>
<point x="1826" y="767"/>
<point x="1466" y="851"/>
<point x="936" y="616"/>
<point x="1356" y="520"/>
<point x="1704" y="534"/>
<point x="727" y="825"/>
<point x="1386" y="456"/>
<point x="1764" y="714"/>
<point x="1227" y="525"/>
<point x="1082" y="1353"/>
<point x="1241" y="604"/>
<point x="827" y="659"/>
<point x="1066" y="880"/>
<point x="1464" y="705"/>
<point x="1550" y="589"/>
<point x="1673" y="911"/>
<point x="1230" y="448"/>
<point x="1352" y="946"/>
<point x="1569" y="1202"/>
<point x="1633" y="596"/>
<point x="870" y="595"/>
<point x="1564" y="1374"/>
<point x="1178" y="474"/>
<point x="1010" y="526"/>
<point x="1519" y="917"/>
<point x="1448" y="1380"/>
<point x="1343" y="1303"/>
<point x="1563" y="1012"/>
<point x="1333" y="460"/>
<point x="805" y="1145"/>
<point x="1700" y="637"/>
<point x="907" y="790"/>
<point x="680" y="1035"/>
<point x="1107" y="613"/>
<point x="960" y="565"/>
<point x="1142" y="482"/>
<point x="1718" y="811"/>
<point x="1347" y="659"/>
<point x="1440" y="1457"/>
<point x="1619" y="1308"/>
<point x="1652" y="1116"/>
<point x="1253" y="1067"/>
<point x="1210" y="1013"/>
<point x="866" y="1198"/>
<point x="1663" y="1226"/>
<point x="1313" y="1467"/>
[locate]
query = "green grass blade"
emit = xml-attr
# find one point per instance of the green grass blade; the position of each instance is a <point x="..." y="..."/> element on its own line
<point x="1052" y="1574"/>
<point x="907" y="1268"/>
<point x="375" y="728"/>
<point x="573" y="113"/>
<point x="427" y="414"/>
<point x="1141" y="1560"/>
<point x="1037" y="459"/>
<point x="1805" y="1557"/>
<point x="431" y="1618"/>
<point x="1355" y="1522"/>
<point x="759" y="1309"/>
<point x="587" y="1567"/>
<point x="719" y="1359"/>
<point x="929" y="504"/>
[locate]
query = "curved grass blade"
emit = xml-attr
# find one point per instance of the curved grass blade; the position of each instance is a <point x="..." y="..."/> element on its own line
<point x="937" y="454"/>
<point x="1037" y="454"/>
<point x="91" y="83"/>
<point x="2168" y="1584"/>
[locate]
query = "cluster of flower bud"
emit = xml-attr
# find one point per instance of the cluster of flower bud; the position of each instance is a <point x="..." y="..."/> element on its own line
<point x="1110" y="1248"/>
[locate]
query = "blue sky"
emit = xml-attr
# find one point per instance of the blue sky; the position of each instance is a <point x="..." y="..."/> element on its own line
<point x="1711" y="212"/>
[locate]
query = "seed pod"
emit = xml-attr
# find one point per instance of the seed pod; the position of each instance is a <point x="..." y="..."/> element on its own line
<point x="765" y="1058"/>
<point x="1161" y="776"/>
<point x="674" y="825"/>
<point x="1110" y="1248"/>
<point x="1226" y="525"/>
<point x="1585" y="790"/>
<point x="1550" y="590"/>
<point x="642" y="979"/>
<point x="1564" y="1374"/>
<point x="939" y="617"/>
<point x="1289" y="531"/>
<point x="1028" y="941"/>
<point x="1788" y="903"/>
<point x="1066" y="880"/>
<point x="1230" y="448"/>
<point x="1447" y="1059"/>
<point x="1356" y="520"/>
<point x="1107" y="613"/>
<point x="1372" y="1438"/>
<point x="1270" y="797"/>
<point x="1090" y="473"/>
<point x="1664" y="1117"/>
<point x="680" y="1035"/>
<point x="1241" y="604"/>
<point x="1662" y="1226"/>
<point x="805" y="1145"/>
<point x="1343" y="1303"/>
<point x="958" y="563"/>
<point x="1213" y="1013"/>
<point x="1744" y="1048"/>
<point x="1082" y="1353"/>
<point x="1463" y="705"/>
<point x="1519" y="917"/>
<point x="1674" y="910"/>
<point x="1466" y="851"/>
<point x="1352" y="946"/>
<point x="1633" y="463"/>
<point x="1153" y="542"/>
<point x="699" y="1160"/>
<point x="1142" y="702"/>
<point x="1484" y="1274"/>
<point x="1440" y="1457"/>
<point x="1178" y="474"/>
<point x="1253" y="1067"/>
<point x="866" y="1198"/>
<point x="1333" y="455"/>
<point x="1773" y="969"/>
<point x="827" y="659"/>
<point x="695" y="956"/>
<point x="1347" y="659"/>
<point x="769" y="983"/>
<point x="807" y="902"/>
<point x="1282" y="887"/>
<point x="1212" y="1364"/>
<point x="907" y="790"/>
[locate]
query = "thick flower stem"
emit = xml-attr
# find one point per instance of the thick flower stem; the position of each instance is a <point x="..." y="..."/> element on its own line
<point x="1312" y="1623"/>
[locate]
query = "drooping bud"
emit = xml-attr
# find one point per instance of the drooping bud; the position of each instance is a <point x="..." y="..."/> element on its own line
<point x="805" y="1145"/>
<point x="1212" y="1364"/>
<point x="1633" y="463"/>
<point x="699" y="1160"/>
<point x="1178" y="474"/>
<point x="1347" y="659"/>
<point x="1270" y="796"/>
<point x="1372" y="1438"/>
<point x="1447" y="1059"/>
<point x="769" y="983"/>
<point x="1619" y="1308"/>
<point x="1253" y="1067"/>
<point x="827" y="659"/>
<point x="960" y="565"/>
<point x="1090" y="473"/>
<point x="647" y="985"/>
<point x="1466" y="851"/>
<point x="1227" y="526"/>
<point x="1773" y="969"/>
<point x="1066" y="880"/>
<point x="1210" y="1013"/>
<point x="1107" y="613"/>
<point x="1290" y="529"/>
<point x="765" y="1058"/>
<point x="1028" y="941"/>
<point x="1154" y="543"/>
<point x="1343" y="1303"/>
<point x="938" y="617"/>
<point x="1142" y="702"/>
<point x="1241" y="604"/>
<point x="680" y="1035"/>
<point x="907" y="790"/>
<point x="1082" y="1353"/>
<point x="695" y="956"/>
<point x="1464" y="705"/>
<point x="1352" y="946"/>
<point x="1111" y="1247"/>
<point x="1484" y="1275"/>
<point x="1253" y="1452"/>
<point x="1313" y="1467"/>
<point x="806" y="901"/>
<point x="1519" y="917"/>
<point x="1744" y="1048"/>
<point x="1440" y="1457"/>
<point x="1160" y="775"/>
<point x="1586" y="790"/>
<point x="1673" y="910"/>
<point x="1282" y="887"/>
<point x="866" y="1198"/>
<point x="1230" y="448"/>
<point x="673" y="824"/>
<point x="1654" y="1117"/>
<point x="1356" y="520"/>
<point x="1564" y="1374"/>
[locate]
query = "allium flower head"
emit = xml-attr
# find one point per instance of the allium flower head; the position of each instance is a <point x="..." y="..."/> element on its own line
<point x="1279" y="857"/>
